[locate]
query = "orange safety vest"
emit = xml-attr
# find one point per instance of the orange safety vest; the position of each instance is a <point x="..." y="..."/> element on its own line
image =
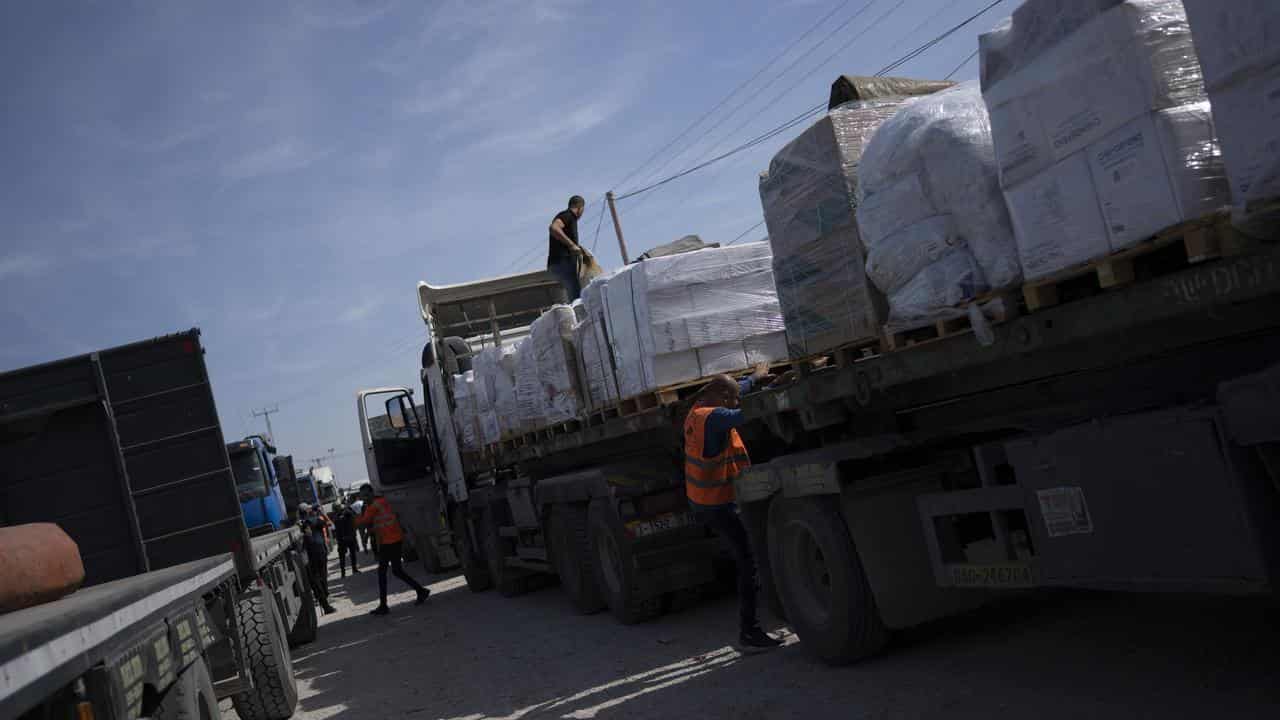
<point x="709" y="480"/>
<point x="386" y="526"/>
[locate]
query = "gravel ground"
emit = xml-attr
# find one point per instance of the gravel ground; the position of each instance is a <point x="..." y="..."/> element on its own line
<point x="1051" y="655"/>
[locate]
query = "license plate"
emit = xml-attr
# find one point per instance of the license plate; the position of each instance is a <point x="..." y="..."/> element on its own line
<point x="659" y="524"/>
<point x="1002" y="575"/>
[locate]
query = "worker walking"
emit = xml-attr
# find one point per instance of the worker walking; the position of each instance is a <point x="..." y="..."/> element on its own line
<point x="314" y="526"/>
<point x="714" y="457"/>
<point x="564" y="255"/>
<point x="344" y="530"/>
<point x="386" y="530"/>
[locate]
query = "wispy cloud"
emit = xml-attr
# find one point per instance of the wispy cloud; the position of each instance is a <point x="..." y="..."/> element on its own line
<point x="348" y="17"/>
<point x="555" y="129"/>
<point x="26" y="264"/>
<point x="282" y="156"/>
<point x="360" y="311"/>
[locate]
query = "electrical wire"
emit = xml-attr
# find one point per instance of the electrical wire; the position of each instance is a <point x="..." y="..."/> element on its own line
<point x="960" y="67"/>
<point x="730" y="96"/>
<point x="916" y="52"/>
<point x="595" y="241"/>
<point x="744" y="233"/>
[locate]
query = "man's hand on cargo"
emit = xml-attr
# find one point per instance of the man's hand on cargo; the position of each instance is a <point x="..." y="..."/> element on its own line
<point x="761" y="377"/>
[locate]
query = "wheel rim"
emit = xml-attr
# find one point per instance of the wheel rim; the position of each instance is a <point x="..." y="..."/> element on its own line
<point x="811" y="577"/>
<point x="610" y="562"/>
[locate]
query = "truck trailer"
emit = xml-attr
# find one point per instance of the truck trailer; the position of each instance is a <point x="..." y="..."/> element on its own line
<point x="180" y="607"/>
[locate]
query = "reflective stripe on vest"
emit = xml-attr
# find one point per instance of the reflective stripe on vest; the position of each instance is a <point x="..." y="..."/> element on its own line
<point x="709" y="480"/>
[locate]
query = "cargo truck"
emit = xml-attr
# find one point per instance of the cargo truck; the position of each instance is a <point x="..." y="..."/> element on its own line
<point x="262" y="499"/>
<point x="180" y="606"/>
<point x="1126" y="439"/>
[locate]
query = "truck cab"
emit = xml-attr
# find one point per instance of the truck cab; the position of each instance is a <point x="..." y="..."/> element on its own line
<point x="401" y="462"/>
<point x="261" y="500"/>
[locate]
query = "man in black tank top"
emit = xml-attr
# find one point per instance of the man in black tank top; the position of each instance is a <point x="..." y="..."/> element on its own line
<point x="564" y="254"/>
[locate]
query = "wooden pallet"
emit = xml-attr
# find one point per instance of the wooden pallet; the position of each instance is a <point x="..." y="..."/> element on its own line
<point x="997" y="307"/>
<point x="1188" y="243"/>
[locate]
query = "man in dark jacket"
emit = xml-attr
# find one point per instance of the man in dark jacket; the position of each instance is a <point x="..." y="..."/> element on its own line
<point x="564" y="254"/>
<point x="344" y="530"/>
<point x="315" y="526"/>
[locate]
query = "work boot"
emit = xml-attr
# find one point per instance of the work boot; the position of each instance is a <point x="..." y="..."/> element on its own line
<point x="423" y="594"/>
<point x="329" y="609"/>
<point x="756" y="640"/>
<point x="355" y="570"/>
<point x="380" y="610"/>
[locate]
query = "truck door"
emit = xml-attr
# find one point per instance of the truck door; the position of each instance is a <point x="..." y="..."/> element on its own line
<point x="396" y="449"/>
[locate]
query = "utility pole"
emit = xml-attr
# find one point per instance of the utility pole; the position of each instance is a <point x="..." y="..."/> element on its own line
<point x="617" y="226"/>
<point x="266" y="413"/>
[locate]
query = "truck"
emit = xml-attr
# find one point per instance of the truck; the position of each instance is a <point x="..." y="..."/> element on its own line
<point x="253" y="461"/>
<point x="180" y="606"/>
<point x="1125" y="436"/>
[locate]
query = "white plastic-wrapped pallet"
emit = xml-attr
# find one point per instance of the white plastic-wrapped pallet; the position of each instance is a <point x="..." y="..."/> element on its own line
<point x="590" y="337"/>
<point x="681" y="317"/>
<point x="530" y="402"/>
<point x="464" y="396"/>
<point x="930" y="209"/>
<point x="1238" y="42"/>
<point x="503" y="381"/>
<point x="485" y="366"/>
<point x="551" y="336"/>
<point x="1094" y="119"/>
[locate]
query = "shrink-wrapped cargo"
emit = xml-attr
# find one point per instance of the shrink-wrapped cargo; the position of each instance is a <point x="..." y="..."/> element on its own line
<point x="681" y="317"/>
<point x="486" y="366"/>
<point x="1238" y="43"/>
<point x="808" y="196"/>
<point x="1099" y="127"/>
<point x="930" y="209"/>
<point x="591" y="338"/>
<point x="464" y="395"/>
<point x="530" y="401"/>
<point x="551" y="337"/>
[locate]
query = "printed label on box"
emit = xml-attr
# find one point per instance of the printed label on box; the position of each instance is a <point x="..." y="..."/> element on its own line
<point x="1064" y="511"/>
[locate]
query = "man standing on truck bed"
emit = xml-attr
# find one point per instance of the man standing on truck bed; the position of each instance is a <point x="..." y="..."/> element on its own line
<point x="713" y="456"/>
<point x="565" y="255"/>
<point x="386" y="529"/>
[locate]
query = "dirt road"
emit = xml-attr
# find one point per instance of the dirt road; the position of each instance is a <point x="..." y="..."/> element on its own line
<point x="1058" y="655"/>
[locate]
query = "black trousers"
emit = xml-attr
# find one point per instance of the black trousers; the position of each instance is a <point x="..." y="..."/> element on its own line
<point x="347" y="546"/>
<point x="723" y="520"/>
<point x="318" y="575"/>
<point x="389" y="555"/>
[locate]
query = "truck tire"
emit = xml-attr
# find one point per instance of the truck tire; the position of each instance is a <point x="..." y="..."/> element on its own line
<point x="473" y="567"/>
<point x="275" y="692"/>
<point x="571" y="552"/>
<point x="824" y="589"/>
<point x="190" y="697"/>
<point x="430" y="558"/>
<point x="508" y="580"/>
<point x="305" y="627"/>
<point x="755" y="518"/>
<point x="615" y="569"/>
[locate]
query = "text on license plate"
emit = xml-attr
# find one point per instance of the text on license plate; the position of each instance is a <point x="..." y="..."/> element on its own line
<point x="658" y="524"/>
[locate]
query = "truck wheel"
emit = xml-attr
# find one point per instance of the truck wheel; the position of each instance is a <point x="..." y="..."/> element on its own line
<point x="615" y="569"/>
<point x="508" y="580"/>
<point x="473" y="568"/>
<point x="824" y="589"/>
<point x="190" y="697"/>
<point x="571" y="551"/>
<point x="275" y="692"/>
<point x="304" y="628"/>
<point x="427" y="551"/>
<point x="755" y="517"/>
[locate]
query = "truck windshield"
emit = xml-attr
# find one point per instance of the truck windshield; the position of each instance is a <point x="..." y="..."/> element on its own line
<point x="249" y="478"/>
<point x="327" y="493"/>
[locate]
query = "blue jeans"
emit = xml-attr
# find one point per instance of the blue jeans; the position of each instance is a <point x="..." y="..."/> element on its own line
<point x="566" y="271"/>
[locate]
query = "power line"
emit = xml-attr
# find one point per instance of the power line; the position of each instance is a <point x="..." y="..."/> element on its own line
<point x="744" y="233"/>
<point x="959" y="67"/>
<point x="917" y="52"/>
<point x="734" y="92"/>
<point x="599" y="222"/>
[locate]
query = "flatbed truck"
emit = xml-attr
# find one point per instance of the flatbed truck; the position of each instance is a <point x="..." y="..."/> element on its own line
<point x="180" y="606"/>
<point x="1126" y="439"/>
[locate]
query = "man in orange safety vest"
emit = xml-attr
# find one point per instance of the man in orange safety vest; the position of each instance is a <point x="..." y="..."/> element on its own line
<point x="714" y="456"/>
<point x="386" y="528"/>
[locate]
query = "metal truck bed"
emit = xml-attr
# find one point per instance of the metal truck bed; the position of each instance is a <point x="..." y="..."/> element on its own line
<point x="156" y="617"/>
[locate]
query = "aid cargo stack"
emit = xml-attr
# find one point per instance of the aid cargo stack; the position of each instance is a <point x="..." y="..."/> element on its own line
<point x="1101" y="132"/>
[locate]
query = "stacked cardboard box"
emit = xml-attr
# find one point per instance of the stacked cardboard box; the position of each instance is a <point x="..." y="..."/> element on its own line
<point x="1099" y="136"/>
<point x="682" y="317"/>
<point x="466" y="418"/>
<point x="591" y="336"/>
<point x="1238" y="42"/>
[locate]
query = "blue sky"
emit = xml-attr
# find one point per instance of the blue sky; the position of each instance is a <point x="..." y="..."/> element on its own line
<point x="282" y="174"/>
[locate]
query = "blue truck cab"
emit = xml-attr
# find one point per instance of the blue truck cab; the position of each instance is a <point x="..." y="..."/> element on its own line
<point x="261" y="501"/>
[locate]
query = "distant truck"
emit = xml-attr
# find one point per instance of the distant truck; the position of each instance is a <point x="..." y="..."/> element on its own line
<point x="180" y="607"/>
<point x="258" y="484"/>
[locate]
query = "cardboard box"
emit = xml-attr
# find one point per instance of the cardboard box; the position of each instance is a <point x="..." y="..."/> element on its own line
<point x="1056" y="219"/>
